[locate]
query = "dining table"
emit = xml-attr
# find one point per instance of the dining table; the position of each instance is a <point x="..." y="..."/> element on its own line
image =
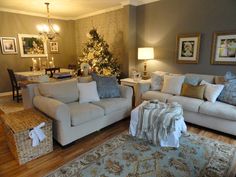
<point x="36" y="75"/>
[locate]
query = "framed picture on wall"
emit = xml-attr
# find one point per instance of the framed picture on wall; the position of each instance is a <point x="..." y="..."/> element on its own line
<point x="8" y="45"/>
<point x="224" y="48"/>
<point x="32" y="46"/>
<point x="54" y="47"/>
<point x="188" y="47"/>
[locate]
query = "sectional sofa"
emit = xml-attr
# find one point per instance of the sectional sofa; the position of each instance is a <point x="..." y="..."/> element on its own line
<point x="218" y="116"/>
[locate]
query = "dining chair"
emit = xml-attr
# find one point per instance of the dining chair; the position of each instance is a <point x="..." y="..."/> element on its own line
<point x="51" y="71"/>
<point x="15" y="86"/>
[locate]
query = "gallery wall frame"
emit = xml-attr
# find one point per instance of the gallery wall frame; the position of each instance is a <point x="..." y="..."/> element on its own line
<point x="32" y="45"/>
<point x="188" y="48"/>
<point x="223" y="51"/>
<point x="54" y="47"/>
<point x="8" y="45"/>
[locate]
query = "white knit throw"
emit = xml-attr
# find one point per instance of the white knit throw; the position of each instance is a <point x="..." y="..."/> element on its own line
<point x="157" y="120"/>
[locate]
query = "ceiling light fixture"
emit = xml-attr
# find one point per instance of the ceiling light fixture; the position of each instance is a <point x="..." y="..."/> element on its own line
<point x="48" y="31"/>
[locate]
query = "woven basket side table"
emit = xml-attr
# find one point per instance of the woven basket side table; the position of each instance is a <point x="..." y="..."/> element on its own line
<point x="17" y="126"/>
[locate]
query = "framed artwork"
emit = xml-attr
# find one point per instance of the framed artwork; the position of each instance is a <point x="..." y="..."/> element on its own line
<point x="8" y="45"/>
<point x="224" y="48"/>
<point x="32" y="46"/>
<point x="54" y="47"/>
<point x="188" y="47"/>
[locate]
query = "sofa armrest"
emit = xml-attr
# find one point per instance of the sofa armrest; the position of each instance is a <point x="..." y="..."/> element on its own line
<point x="53" y="108"/>
<point x="143" y="86"/>
<point x="126" y="92"/>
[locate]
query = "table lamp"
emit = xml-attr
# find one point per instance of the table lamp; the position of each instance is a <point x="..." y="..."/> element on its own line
<point x="145" y="53"/>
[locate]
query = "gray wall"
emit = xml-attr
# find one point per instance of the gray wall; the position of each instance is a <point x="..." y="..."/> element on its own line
<point x="12" y="24"/>
<point x="158" y="24"/>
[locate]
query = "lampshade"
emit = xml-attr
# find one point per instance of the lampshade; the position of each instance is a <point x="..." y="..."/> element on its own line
<point x="145" y="53"/>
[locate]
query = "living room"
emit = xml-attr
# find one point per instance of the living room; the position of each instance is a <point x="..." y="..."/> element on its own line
<point x="179" y="52"/>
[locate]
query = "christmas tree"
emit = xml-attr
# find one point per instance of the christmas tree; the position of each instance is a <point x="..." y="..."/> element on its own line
<point x="96" y="53"/>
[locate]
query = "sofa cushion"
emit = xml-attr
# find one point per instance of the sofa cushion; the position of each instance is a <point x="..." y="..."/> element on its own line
<point x="157" y="79"/>
<point x="156" y="95"/>
<point x="173" y="84"/>
<point x="112" y="104"/>
<point x="208" y="78"/>
<point x="188" y="104"/>
<point x="64" y="91"/>
<point x="88" y="92"/>
<point x="107" y="86"/>
<point x="212" y="91"/>
<point x="84" y="112"/>
<point x="193" y="91"/>
<point x="219" y="109"/>
<point x="192" y="79"/>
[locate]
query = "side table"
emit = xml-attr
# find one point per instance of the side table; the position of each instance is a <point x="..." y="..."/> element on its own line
<point x="132" y="83"/>
<point x="17" y="126"/>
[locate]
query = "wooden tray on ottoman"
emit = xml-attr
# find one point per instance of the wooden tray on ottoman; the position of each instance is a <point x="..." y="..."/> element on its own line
<point x="17" y="126"/>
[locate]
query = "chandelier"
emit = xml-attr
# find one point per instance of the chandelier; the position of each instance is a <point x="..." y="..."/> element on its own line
<point x="48" y="31"/>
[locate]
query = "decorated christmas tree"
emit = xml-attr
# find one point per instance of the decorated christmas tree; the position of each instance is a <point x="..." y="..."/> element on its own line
<point x="96" y="53"/>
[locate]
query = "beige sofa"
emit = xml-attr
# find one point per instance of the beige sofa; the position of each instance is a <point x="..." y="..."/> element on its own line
<point x="218" y="116"/>
<point x="73" y="120"/>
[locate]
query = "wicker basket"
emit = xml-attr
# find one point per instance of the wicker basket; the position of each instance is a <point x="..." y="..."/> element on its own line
<point x="17" y="126"/>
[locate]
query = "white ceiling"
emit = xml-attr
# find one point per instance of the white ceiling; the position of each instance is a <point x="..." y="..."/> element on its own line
<point x="66" y="9"/>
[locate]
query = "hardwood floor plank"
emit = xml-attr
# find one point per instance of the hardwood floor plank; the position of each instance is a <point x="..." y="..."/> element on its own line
<point x="61" y="155"/>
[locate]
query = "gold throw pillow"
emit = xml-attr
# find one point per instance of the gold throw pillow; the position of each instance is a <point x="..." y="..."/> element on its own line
<point x="189" y="90"/>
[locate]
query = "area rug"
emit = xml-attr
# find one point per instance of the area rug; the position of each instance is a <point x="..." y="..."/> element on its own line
<point x="126" y="156"/>
<point x="7" y="105"/>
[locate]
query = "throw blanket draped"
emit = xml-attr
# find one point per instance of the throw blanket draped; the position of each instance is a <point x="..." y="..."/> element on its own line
<point x="157" y="120"/>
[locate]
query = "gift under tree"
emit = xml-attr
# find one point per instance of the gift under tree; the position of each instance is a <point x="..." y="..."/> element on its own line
<point x="96" y="53"/>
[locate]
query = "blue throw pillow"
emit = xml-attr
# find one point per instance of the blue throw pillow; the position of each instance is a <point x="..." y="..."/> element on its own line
<point x="228" y="94"/>
<point x="230" y="76"/>
<point x="107" y="86"/>
<point x="192" y="80"/>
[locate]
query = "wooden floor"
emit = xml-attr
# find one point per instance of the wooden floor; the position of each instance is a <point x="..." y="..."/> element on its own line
<point x="61" y="155"/>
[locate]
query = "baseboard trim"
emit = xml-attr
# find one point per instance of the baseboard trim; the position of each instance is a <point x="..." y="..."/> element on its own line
<point x="5" y="93"/>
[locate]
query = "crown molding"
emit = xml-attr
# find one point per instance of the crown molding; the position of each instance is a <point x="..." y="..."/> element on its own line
<point x="110" y="9"/>
<point x="137" y="2"/>
<point x="33" y="14"/>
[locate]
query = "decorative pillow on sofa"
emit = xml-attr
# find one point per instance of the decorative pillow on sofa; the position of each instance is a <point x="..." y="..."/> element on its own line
<point x="157" y="79"/>
<point x="192" y="79"/>
<point x="107" y="87"/>
<point x="172" y="84"/>
<point x="64" y="91"/>
<point x="228" y="94"/>
<point x="88" y="92"/>
<point x="192" y="91"/>
<point x="212" y="91"/>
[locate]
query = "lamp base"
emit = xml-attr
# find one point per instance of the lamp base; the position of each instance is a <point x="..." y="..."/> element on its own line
<point x="145" y="75"/>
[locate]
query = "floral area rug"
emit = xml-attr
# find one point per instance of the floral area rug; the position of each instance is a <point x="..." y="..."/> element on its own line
<point x="7" y="105"/>
<point x="126" y="156"/>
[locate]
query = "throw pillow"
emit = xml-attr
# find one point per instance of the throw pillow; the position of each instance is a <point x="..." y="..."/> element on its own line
<point x="172" y="84"/>
<point x="212" y="91"/>
<point x="88" y="92"/>
<point x="230" y="76"/>
<point x="192" y="91"/>
<point x="157" y="80"/>
<point x="191" y="79"/>
<point x="107" y="87"/>
<point x="228" y="95"/>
